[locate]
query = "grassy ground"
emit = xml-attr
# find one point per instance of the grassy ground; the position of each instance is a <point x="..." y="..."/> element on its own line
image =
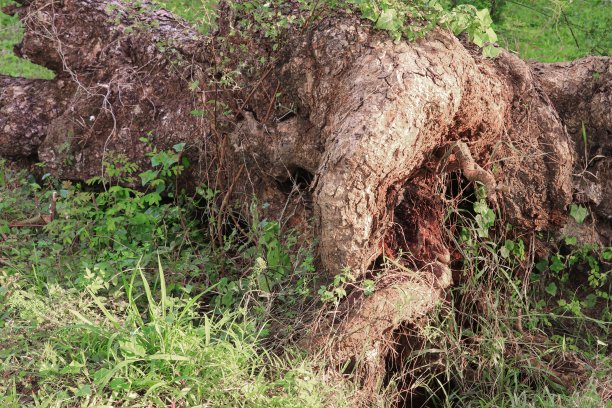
<point x="556" y="30"/>
<point x="125" y="299"/>
<point x="121" y="301"/>
<point x="198" y="12"/>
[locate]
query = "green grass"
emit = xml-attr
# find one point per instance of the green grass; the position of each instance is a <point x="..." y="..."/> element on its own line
<point x="89" y="315"/>
<point x="137" y="348"/>
<point x="556" y="30"/>
<point x="10" y="34"/>
<point x="127" y="300"/>
<point x="201" y="13"/>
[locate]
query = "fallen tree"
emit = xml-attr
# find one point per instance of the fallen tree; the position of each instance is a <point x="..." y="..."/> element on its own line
<point x="364" y="126"/>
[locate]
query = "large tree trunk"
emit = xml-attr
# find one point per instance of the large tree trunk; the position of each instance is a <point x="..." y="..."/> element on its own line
<point x="372" y="122"/>
<point x="581" y="91"/>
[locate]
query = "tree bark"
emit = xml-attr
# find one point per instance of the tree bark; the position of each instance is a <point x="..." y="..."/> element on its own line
<point x="581" y="91"/>
<point x="374" y="122"/>
<point x="27" y="106"/>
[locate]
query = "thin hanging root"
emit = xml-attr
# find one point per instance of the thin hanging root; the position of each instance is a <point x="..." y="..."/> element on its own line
<point x="472" y="170"/>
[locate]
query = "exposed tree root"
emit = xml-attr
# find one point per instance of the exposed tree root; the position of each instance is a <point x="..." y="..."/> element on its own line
<point x="360" y="330"/>
<point x="341" y="104"/>
<point x="472" y="170"/>
<point x="581" y="91"/>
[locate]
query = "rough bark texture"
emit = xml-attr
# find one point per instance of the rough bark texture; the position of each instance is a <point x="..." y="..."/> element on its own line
<point x="581" y="91"/>
<point x="113" y="85"/>
<point x="27" y="106"/>
<point x="373" y="121"/>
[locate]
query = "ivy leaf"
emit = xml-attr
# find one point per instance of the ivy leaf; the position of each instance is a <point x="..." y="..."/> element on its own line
<point x="148" y="176"/>
<point x="490" y="51"/>
<point x="480" y="207"/>
<point x="388" y="20"/>
<point x="578" y="213"/>
<point x="551" y="289"/>
<point x="484" y="17"/>
<point x="557" y="264"/>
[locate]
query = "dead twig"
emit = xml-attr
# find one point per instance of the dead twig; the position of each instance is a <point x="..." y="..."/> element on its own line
<point x="39" y="220"/>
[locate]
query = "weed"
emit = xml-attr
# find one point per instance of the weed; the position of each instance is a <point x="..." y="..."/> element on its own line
<point x="512" y="333"/>
<point x="88" y="316"/>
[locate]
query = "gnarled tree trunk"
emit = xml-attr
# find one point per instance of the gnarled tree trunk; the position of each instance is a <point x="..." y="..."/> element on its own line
<point x="372" y="122"/>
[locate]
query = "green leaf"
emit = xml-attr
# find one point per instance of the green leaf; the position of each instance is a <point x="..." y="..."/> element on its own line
<point x="480" y="207"/>
<point x="148" y="176"/>
<point x="388" y="20"/>
<point x="590" y="300"/>
<point x="492" y="36"/>
<point x="504" y="252"/>
<point x="557" y="264"/>
<point x="119" y="384"/>
<point x="478" y="39"/>
<point x="490" y="51"/>
<point x="551" y="289"/>
<point x="100" y="375"/>
<point x="542" y="265"/>
<point x="152" y="198"/>
<point x="73" y="368"/>
<point x="132" y="348"/>
<point x="369" y="287"/>
<point x="570" y="240"/>
<point x="367" y="9"/>
<point x="83" y="391"/>
<point x="484" y="17"/>
<point x="578" y="213"/>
